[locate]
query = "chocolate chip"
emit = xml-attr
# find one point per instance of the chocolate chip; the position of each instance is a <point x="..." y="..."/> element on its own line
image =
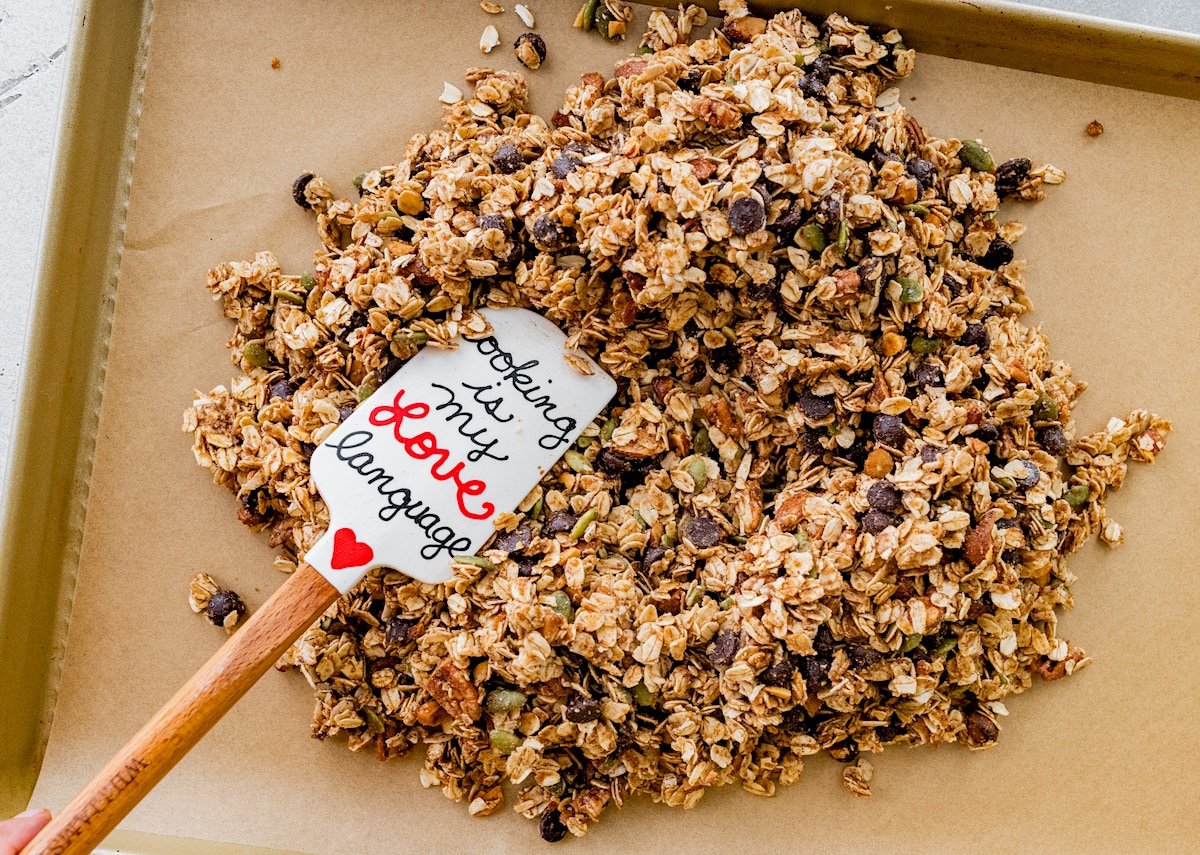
<point x="863" y="656"/>
<point x="844" y="752"/>
<point x="493" y="221"/>
<point x="746" y="215"/>
<point x="930" y="453"/>
<point x="282" y="389"/>
<point x="252" y="510"/>
<point x="1032" y="475"/>
<point x="526" y="568"/>
<point x="516" y="252"/>
<point x="514" y="541"/>
<point x="564" y="165"/>
<point x="763" y="188"/>
<point x="822" y="66"/>
<point x="779" y="674"/>
<point x="814" y="669"/>
<point x="829" y="210"/>
<point x="874" y="521"/>
<point x="701" y="531"/>
<point x="869" y="270"/>
<point x="551" y="826"/>
<point x="581" y="709"/>
<point x="823" y="641"/>
<point x="790" y="219"/>
<point x="614" y="463"/>
<point x="345" y="411"/>
<point x="1006" y="523"/>
<point x="880" y="157"/>
<point x="856" y="453"/>
<point x="223" y="604"/>
<point x="813" y="85"/>
<point x="534" y="41"/>
<point x="507" y="159"/>
<point x="889" y="430"/>
<point x="1010" y="174"/>
<point x="980" y="729"/>
<point x="928" y="374"/>
<point x="883" y="496"/>
<point x="976" y="336"/>
<point x="384" y="372"/>
<point x="988" y="432"/>
<point x="1053" y="439"/>
<point x="815" y="407"/>
<point x="999" y="253"/>
<point x="398" y="630"/>
<point x="548" y="234"/>
<point x="690" y="80"/>
<point x="298" y="188"/>
<point x="653" y="554"/>
<point x="724" y="646"/>
<point x="811" y="441"/>
<point x="561" y="521"/>
<point x="761" y="290"/>
<point x="923" y="171"/>
<point x="795" y="720"/>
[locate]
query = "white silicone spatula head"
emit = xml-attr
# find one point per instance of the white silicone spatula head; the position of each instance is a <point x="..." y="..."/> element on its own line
<point x="421" y="470"/>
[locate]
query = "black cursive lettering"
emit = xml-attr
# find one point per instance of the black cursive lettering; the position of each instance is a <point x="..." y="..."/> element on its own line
<point x="519" y="378"/>
<point x="483" y="447"/>
<point x="441" y="538"/>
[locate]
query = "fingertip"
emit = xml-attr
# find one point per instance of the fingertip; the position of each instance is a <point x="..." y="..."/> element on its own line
<point x="42" y="814"/>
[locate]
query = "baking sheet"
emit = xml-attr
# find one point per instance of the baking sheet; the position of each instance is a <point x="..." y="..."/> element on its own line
<point x="1100" y="762"/>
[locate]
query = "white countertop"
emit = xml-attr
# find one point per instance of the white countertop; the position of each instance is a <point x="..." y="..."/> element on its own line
<point x="33" y="37"/>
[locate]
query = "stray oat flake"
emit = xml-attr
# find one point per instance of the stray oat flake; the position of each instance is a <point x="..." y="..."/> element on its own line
<point x="831" y="506"/>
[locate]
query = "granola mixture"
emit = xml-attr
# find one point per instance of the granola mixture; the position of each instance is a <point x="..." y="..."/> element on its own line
<point x="829" y="508"/>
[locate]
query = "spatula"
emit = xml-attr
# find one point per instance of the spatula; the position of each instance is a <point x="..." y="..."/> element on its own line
<point x="415" y="476"/>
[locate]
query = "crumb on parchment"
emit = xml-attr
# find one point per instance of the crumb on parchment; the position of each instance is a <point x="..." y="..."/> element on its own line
<point x="223" y="608"/>
<point x="830" y="508"/>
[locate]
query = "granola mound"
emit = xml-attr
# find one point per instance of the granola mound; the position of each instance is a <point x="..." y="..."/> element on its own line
<point x="829" y="509"/>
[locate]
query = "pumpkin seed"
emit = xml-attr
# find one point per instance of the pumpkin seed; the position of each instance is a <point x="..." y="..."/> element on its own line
<point x="504" y="700"/>
<point x="562" y="604"/>
<point x="974" y="155"/>
<point x="474" y="561"/>
<point x="911" y="290"/>
<point x="584" y="521"/>
<point x="1077" y="496"/>
<point x="811" y="237"/>
<point x="255" y="355"/>
<point x="505" y="741"/>
<point x="577" y="462"/>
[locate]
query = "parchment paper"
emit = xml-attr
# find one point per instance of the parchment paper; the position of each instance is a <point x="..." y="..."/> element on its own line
<point x="1102" y="762"/>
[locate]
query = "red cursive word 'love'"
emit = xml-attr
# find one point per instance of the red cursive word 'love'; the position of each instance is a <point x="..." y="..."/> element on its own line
<point x="424" y="446"/>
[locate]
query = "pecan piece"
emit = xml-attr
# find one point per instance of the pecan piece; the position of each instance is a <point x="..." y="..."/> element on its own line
<point x="455" y="693"/>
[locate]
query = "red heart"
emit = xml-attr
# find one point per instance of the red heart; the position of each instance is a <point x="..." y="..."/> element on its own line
<point x="349" y="551"/>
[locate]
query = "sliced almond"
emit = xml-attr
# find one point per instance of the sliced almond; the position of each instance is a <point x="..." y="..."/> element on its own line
<point x="489" y="39"/>
<point x="524" y="14"/>
<point x="451" y="94"/>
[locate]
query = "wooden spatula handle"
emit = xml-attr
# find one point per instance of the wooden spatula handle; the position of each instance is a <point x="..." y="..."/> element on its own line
<point x="204" y="699"/>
